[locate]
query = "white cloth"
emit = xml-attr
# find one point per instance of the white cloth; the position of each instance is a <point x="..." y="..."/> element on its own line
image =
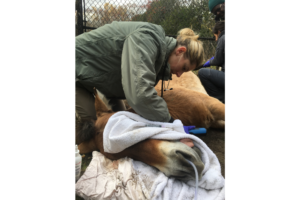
<point x="106" y="179"/>
<point x="121" y="131"/>
<point x="126" y="179"/>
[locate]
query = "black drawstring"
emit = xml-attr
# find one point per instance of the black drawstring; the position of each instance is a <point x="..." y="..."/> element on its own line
<point x="162" y="80"/>
<point x="162" y="89"/>
<point x="163" y="74"/>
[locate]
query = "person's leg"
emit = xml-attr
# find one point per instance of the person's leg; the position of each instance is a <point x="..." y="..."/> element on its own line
<point x="85" y="104"/>
<point x="117" y="105"/>
<point x="214" y="82"/>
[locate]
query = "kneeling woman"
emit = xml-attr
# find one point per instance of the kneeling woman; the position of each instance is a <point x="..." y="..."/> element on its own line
<point x="125" y="60"/>
<point x="214" y="80"/>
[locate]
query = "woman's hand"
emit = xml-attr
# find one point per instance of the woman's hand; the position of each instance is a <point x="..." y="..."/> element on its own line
<point x="187" y="128"/>
<point x="207" y="64"/>
<point x="187" y="141"/>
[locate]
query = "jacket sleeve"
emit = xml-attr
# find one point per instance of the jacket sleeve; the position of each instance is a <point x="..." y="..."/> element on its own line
<point x="138" y="77"/>
<point x="219" y="57"/>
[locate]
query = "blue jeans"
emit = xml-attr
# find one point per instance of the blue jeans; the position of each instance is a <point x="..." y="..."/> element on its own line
<point x="214" y="82"/>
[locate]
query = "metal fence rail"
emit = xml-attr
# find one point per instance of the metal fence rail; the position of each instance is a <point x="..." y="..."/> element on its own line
<point x="172" y="15"/>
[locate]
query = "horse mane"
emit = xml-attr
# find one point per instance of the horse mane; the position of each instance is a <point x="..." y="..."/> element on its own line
<point x="85" y="130"/>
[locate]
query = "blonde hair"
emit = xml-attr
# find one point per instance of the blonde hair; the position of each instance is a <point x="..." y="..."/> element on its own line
<point x="194" y="49"/>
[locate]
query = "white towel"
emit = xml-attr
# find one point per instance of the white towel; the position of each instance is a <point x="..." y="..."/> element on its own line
<point x="125" y="129"/>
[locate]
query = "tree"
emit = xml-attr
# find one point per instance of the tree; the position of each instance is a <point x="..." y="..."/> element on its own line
<point x="174" y="15"/>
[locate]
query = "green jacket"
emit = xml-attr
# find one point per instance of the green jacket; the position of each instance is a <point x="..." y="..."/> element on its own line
<point x="124" y="60"/>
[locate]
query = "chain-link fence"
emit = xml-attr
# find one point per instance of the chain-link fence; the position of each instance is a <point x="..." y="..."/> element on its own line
<point x="172" y="15"/>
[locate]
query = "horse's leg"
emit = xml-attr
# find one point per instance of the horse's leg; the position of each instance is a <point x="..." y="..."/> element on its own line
<point x="218" y="124"/>
<point x="216" y="107"/>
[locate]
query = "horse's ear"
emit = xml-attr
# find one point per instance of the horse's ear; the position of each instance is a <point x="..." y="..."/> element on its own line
<point x="99" y="105"/>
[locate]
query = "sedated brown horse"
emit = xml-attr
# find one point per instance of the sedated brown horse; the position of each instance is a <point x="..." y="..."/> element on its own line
<point x="188" y="102"/>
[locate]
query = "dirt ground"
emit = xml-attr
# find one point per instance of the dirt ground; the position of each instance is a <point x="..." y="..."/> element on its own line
<point x="214" y="139"/>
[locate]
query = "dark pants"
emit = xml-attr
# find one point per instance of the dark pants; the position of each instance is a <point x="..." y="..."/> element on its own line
<point x="214" y="82"/>
<point x="85" y="104"/>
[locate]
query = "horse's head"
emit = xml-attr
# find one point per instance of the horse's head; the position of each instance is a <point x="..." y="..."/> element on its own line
<point x="167" y="156"/>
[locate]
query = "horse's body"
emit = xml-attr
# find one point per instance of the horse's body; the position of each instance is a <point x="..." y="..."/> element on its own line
<point x="188" y="105"/>
<point x="189" y="102"/>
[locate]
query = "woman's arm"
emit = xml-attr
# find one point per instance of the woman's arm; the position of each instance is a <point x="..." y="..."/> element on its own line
<point x="219" y="57"/>
<point x="138" y="77"/>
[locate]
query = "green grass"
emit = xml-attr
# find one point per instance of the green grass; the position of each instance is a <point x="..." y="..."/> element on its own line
<point x="79" y="198"/>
